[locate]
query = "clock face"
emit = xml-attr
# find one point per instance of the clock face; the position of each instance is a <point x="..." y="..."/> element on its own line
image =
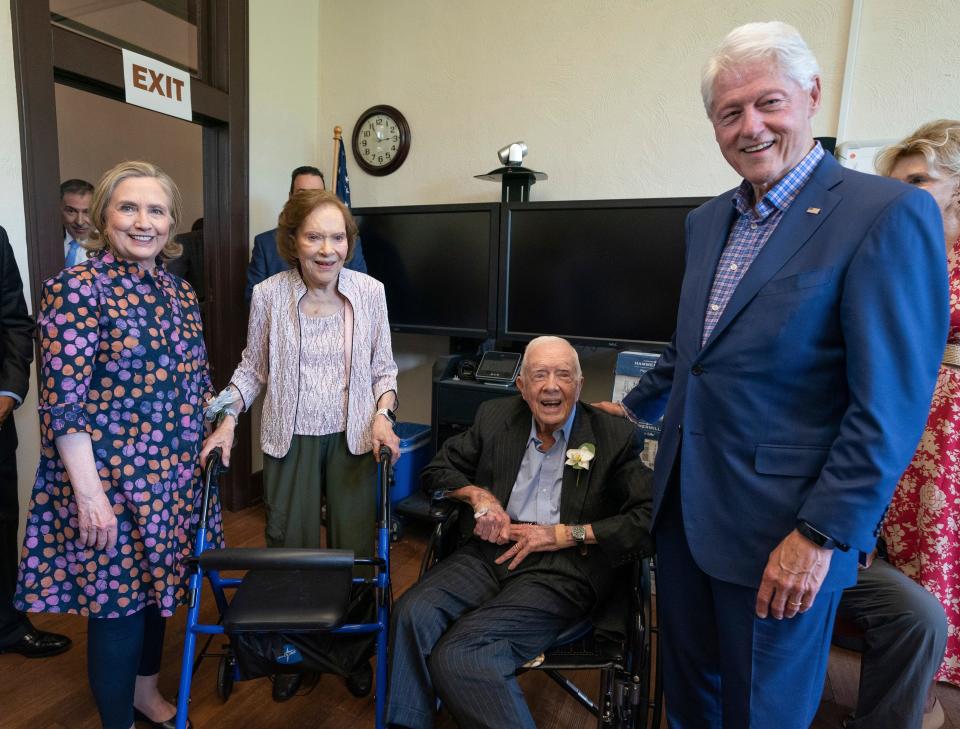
<point x="381" y="140"/>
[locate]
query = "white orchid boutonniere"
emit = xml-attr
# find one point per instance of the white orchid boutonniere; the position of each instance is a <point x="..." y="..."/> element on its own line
<point x="579" y="458"/>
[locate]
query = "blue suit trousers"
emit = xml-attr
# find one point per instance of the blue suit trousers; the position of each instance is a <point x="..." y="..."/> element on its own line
<point x="723" y="666"/>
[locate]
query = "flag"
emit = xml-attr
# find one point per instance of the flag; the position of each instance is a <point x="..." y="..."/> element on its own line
<point x="357" y="262"/>
<point x="343" y="179"/>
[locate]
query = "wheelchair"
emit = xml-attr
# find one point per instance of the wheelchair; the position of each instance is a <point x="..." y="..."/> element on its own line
<point x="630" y="694"/>
<point x="295" y="592"/>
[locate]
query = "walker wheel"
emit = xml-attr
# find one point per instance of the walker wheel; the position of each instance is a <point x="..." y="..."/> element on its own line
<point x="225" y="672"/>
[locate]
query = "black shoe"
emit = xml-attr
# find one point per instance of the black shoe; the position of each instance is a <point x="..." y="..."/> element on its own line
<point x="286" y="685"/>
<point x="171" y="723"/>
<point x="360" y="682"/>
<point x="39" y="644"/>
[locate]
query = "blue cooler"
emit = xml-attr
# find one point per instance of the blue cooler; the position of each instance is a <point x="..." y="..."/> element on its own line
<point x="415" y="453"/>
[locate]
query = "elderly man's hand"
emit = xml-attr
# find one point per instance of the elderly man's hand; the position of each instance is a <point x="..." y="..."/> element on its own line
<point x="529" y="538"/>
<point x="491" y="521"/>
<point x="6" y="407"/>
<point x="792" y="578"/>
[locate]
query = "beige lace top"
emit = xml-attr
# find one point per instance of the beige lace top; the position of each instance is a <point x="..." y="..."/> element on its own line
<point x="323" y="388"/>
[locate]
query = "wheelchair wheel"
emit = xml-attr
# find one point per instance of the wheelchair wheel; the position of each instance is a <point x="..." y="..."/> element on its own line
<point x="396" y="528"/>
<point x="225" y="672"/>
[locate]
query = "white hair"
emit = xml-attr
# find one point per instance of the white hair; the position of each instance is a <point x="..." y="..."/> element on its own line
<point x="537" y="341"/>
<point x="775" y="42"/>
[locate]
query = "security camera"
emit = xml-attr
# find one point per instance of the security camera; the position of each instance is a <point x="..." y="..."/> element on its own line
<point x="512" y="155"/>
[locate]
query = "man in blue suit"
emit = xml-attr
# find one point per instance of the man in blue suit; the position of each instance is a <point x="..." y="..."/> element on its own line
<point x="265" y="260"/>
<point x="812" y="319"/>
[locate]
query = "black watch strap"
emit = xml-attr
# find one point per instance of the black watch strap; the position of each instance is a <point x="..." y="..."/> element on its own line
<point x="819" y="538"/>
<point x="578" y="532"/>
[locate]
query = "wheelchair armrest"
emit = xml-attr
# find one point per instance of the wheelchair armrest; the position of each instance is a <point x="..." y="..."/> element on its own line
<point x="276" y="559"/>
<point x="444" y="511"/>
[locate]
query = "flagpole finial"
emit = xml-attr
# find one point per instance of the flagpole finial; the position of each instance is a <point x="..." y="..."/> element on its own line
<point x="337" y="132"/>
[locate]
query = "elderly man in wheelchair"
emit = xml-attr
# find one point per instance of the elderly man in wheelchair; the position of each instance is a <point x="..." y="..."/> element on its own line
<point x="558" y="505"/>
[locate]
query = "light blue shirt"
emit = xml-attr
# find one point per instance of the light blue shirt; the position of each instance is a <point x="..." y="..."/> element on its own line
<point x="15" y="396"/>
<point x="536" y="492"/>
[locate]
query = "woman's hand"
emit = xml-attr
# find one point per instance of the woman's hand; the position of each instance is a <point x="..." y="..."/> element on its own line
<point x="98" y="522"/>
<point x="221" y="438"/>
<point x="383" y="435"/>
<point x="95" y="515"/>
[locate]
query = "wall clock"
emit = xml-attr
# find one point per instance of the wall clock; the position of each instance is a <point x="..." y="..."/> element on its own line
<point x="381" y="140"/>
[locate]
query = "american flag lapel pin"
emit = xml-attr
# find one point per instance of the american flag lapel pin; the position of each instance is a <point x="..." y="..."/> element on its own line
<point x="813" y="211"/>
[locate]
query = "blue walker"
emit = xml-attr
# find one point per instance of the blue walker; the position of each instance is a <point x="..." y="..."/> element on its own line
<point x="293" y="591"/>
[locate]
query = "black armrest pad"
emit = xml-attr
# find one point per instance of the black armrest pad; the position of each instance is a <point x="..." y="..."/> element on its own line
<point x="276" y="559"/>
<point x="419" y="505"/>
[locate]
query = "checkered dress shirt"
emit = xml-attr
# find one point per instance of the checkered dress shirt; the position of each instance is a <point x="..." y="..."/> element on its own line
<point x="750" y="232"/>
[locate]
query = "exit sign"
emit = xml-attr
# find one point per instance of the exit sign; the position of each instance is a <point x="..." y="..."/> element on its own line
<point x="155" y="85"/>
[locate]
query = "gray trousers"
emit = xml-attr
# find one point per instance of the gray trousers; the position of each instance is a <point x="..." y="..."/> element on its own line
<point x="461" y="633"/>
<point x="905" y="636"/>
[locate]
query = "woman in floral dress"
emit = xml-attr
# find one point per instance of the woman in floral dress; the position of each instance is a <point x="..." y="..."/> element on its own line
<point x="922" y="527"/>
<point x="123" y="380"/>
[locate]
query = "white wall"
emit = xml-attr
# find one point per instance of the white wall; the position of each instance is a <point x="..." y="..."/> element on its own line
<point x="606" y="94"/>
<point x="284" y="102"/>
<point x="907" y="68"/>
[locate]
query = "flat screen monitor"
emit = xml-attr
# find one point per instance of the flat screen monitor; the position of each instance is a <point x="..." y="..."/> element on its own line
<point x="603" y="273"/>
<point x="438" y="265"/>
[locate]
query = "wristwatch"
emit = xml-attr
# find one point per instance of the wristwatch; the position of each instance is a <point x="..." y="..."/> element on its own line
<point x="578" y="532"/>
<point x="819" y="538"/>
<point x="388" y="414"/>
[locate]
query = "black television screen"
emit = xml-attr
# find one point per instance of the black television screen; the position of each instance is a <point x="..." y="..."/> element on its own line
<point x="438" y="265"/>
<point x="605" y="273"/>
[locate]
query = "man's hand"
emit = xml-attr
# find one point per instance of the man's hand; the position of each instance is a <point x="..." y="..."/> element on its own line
<point x="792" y="577"/>
<point x="7" y="404"/>
<point x="492" y="523"/>
<point x="611" y="408"/>
<point x="529" y="538"/>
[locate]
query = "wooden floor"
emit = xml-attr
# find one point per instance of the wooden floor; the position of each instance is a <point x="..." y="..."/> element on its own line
<point x="52" y="693"/>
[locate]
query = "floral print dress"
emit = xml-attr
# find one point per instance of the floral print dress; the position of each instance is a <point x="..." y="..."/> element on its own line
<point x="123" y="359"/>
<point x="922" y="527"/>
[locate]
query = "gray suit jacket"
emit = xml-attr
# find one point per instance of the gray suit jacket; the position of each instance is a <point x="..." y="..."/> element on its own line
<point x="614" y="494"/>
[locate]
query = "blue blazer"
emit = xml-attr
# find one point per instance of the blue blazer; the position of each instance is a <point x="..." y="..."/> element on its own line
<point x="809" y="397"/>
<point x="266" y="261"/>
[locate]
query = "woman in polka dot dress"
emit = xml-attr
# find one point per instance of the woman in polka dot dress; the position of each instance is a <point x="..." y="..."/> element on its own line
<point x="123" y="380"/>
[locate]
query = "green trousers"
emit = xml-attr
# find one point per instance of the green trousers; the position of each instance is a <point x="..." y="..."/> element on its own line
<point x="318" y="467"/>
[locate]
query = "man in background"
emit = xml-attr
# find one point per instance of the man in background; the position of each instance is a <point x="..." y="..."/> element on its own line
<point x="265" y="261"/>
<point x="75" y="198"/>
<point x="17" y="635"/>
